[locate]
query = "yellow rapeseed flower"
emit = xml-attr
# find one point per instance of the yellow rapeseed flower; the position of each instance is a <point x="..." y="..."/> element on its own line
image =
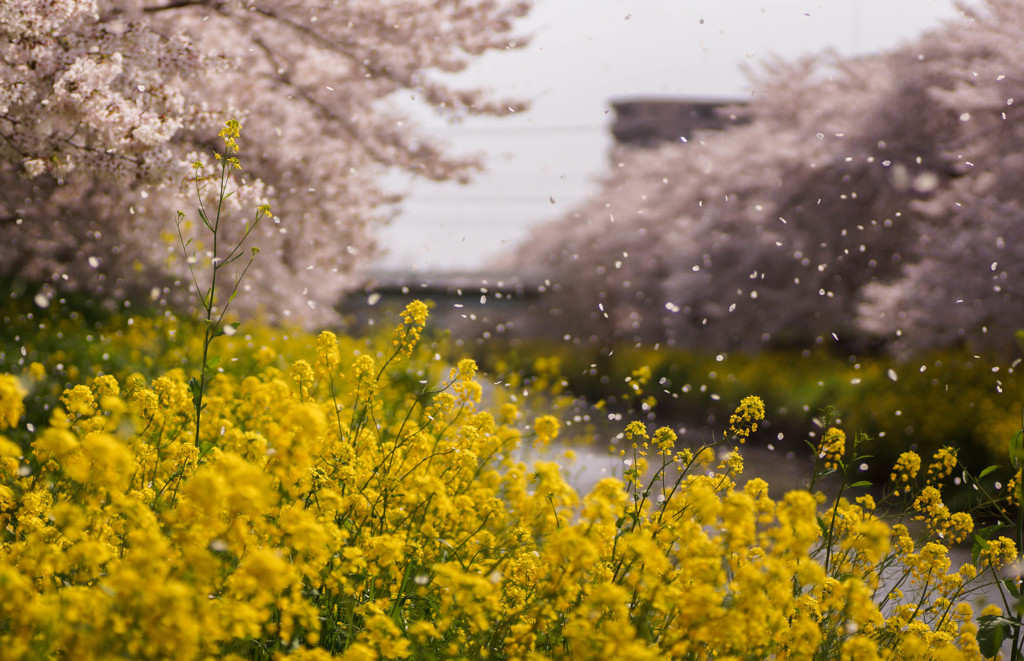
<point x="407" y="334"/>
<point x="665" y="440"/>
<point x="636" y="429"/>
<point x="905" y="470"/>
<point x="302" y="374"/>
<point x="943" y="462"/>
<point x="37" y="371"/>
<point x="328" y="357"/>
<point x="999" y="552"/>
<point x="831" y="448"/>
<point x="546" y="428"/>
<point x="12" y="396"/>
<point x="744" y="421"/>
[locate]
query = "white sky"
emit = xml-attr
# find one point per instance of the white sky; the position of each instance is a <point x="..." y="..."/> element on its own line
<point x="585" y="53"/>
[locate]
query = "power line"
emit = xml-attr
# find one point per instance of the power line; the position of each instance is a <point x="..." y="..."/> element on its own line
<point x="517" y="129"/>
<point x="545" y="199"/>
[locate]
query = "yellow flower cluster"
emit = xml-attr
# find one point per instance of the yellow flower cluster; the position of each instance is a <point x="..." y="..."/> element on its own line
<point x="414" y="318"/>
<point x="831" y="448"/>
<point x="999" y="552"/>
<point x="665" y="440"/>
<point x="546" y="428"/>
<point x="11" y="396"/>
<point x="943" y="463"/>
<point x="464" y="384"/>
<point x="230" y="133"/>
<point x="744" y="421"/>
<point x="328" y="357"/>
<point x="377" y="518"/>
<point x="1013" y="489"/>
<point x="905" y="471"/>
<point x="940" y="521"/>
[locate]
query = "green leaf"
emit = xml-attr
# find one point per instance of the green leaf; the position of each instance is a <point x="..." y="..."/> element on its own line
<point x="976" y="549"/>
<point x="822" y="526"/>
<point x="862" y="483"/>
<point x="197" y="395"/>
<point x="1017" y="449"/>
<point x="206" y="221"/>
<point x="987" y="471"/>
<point x="986" y="532"/>
<point x="981" y="539"/>
<point x="992" y="630"/>
<point x="212" y="362"/>
<point x="204" y="448"/>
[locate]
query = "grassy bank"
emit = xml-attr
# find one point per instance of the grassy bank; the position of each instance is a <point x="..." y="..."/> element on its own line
<point x="944" y="398"/>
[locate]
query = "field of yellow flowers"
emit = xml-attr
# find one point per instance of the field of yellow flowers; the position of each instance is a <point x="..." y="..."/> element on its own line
<point x="356" y="499"/>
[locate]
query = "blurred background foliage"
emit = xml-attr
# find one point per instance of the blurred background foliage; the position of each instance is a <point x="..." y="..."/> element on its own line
<point x="947" y="397"/>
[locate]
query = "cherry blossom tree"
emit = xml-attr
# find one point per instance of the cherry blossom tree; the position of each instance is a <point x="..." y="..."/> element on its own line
<point x="870" y="200"/>
<point x="105" y="104"/>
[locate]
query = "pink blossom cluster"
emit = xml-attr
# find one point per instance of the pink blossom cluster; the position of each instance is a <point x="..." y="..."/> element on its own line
<point x="105" y="104"/>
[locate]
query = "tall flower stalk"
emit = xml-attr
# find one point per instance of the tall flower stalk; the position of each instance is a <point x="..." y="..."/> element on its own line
<point x="212" y="313"/>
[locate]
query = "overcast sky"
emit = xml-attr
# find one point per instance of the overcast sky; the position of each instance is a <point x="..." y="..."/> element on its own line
<point x="583" y="55"/>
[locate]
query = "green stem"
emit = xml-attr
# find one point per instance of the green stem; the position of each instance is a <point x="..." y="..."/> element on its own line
<point x="1015" y="653"/>
<point x="208" y="333"/>
<point x="832" y="525"/>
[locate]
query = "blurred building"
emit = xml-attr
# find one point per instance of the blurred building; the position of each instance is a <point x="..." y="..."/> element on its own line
<point x="483" y="302"/>
<point x="650" y="122"/>
<point x="468" y="302"/>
